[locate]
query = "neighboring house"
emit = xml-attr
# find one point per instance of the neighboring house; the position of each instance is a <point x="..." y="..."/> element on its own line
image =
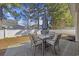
<point x="18" y="27"/>
<point x="10" y="24"/>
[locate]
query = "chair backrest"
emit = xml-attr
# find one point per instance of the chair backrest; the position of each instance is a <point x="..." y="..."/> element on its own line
<point x="58" y="37"/>
<point x="33" y="37"/>
<point x="44" y="32"/>
<point x="52" y="34"/>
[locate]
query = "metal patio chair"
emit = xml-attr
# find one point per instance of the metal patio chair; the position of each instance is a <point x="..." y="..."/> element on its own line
<point x="35" y="42"/>
<point x="54" y="42"/>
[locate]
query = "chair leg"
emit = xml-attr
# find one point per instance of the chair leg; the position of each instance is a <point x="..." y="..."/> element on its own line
<point x="43" y="48"/>
<point x="58" y="47"/>
<point x="34" y="48"/>
<point x="55" y="51"/>
<point x="51" y="49"/>
<point x="59" y="50"/>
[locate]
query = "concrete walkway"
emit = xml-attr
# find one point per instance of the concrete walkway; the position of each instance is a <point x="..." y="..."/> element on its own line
<point x="67" y="48"/>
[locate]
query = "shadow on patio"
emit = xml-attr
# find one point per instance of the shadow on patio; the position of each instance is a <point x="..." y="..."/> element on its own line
<point x="67" y="48"/>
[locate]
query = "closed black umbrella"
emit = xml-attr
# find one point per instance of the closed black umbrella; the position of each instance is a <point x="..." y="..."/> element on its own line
<point x="45" y="23"/>
<point x="45" y="20"/>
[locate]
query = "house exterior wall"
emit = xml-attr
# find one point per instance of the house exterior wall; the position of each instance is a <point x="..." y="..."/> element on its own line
<point x="75" y="13"/>
<point x="74" y="8"/>
<point x="77" y="24"/>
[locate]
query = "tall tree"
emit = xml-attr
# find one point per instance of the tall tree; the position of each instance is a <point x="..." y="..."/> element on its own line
<point x="60" y="12"/>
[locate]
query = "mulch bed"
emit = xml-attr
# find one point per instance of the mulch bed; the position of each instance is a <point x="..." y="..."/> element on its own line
<point x="2" y="52"/>
<point x="70" y="38"/>
<point x="5" y="43"/>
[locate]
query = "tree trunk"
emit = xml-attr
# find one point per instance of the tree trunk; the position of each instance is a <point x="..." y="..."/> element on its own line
<point x="62" y="23"/>
<point x="54" y="24"/>
<point x="38" y="17"/>
<point x="1" y="15"/>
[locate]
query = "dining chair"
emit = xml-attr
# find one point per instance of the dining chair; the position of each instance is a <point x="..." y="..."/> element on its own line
<point x="54" y="42"/>
<point x="52" y="34"/>
<point x="35" y="42"/>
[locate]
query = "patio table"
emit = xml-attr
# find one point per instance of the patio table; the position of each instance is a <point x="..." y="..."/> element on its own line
<point x="44" y="38"/>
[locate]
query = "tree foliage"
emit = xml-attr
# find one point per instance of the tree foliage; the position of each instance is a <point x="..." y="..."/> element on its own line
<point x="7" y="8"/>
<point x="61" y="16"/>
<point x="59" y="13"/>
